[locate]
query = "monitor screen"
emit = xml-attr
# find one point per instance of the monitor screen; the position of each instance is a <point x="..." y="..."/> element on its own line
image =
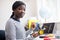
<point x="48" y="27"/>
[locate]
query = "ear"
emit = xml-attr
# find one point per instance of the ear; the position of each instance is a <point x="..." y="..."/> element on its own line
<point x="14" y="10"/>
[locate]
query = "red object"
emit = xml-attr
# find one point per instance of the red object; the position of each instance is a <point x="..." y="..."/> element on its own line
<point x="46" y="38"/>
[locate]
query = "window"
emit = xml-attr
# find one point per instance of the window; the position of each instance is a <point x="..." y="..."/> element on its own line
<point x="49" y="10"/>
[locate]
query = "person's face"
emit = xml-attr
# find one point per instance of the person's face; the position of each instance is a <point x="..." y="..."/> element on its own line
<point x="20" y="11"/>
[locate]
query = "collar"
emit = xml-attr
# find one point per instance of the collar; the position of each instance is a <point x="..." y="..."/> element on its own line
<point x="16" y="19"/>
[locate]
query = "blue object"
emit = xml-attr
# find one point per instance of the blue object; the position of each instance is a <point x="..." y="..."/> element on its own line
<point x="37" y="27"/>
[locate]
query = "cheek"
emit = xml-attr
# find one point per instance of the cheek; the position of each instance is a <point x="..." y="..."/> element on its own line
<point x="18" y="11"/>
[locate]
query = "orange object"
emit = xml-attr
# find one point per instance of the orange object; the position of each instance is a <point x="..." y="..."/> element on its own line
<point x="33" y="24"/>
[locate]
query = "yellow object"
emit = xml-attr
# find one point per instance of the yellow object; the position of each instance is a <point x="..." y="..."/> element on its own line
<point x="51" y="35"/>
<point x="30" y="22"/>
<point x="41" y="32"/>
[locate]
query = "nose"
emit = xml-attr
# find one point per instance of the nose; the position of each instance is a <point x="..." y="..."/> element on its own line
<point x="22" y="11"/>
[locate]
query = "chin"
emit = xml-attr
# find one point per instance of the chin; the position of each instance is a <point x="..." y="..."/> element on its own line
<point x="21" y="17"/>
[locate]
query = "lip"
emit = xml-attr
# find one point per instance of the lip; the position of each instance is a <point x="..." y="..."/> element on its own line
<point x="21" y="14"/>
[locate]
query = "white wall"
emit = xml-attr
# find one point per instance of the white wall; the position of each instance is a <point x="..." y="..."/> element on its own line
<point x="57" y="28"/>
<point x="31" y="9"/>
<point x="5" y="10"/>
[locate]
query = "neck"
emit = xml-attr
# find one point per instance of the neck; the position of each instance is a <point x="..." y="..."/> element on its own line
<point x="16" y="17"/>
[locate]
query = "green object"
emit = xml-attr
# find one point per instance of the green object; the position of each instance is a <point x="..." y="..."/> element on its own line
<point x="58" y="37"/>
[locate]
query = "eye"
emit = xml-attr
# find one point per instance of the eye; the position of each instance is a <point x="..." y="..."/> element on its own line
<point x="19" y="9"/>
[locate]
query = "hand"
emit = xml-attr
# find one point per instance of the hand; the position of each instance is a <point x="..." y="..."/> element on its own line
<point x="35" y="35"/>
<point x="33" y="25"/>
<point x="26" y="27"/>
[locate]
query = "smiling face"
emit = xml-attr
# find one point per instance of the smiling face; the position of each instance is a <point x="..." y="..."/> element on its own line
<point x="19" y="11"/>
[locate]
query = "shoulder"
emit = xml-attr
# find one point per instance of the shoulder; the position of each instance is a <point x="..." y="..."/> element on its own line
<point x="10" y="21"/>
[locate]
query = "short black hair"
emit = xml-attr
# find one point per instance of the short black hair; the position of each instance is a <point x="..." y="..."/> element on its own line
<point x="17" y="4"/>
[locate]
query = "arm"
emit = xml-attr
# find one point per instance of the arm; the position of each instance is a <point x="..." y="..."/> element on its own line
<point x="28" y="32"/>
<point x="31" y="29"/>
<point x="10" y="31"/>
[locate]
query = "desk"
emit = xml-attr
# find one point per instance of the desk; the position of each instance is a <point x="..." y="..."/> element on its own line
<point x="37" y="38"/>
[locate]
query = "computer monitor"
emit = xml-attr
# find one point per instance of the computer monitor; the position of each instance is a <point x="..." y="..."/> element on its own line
<point x="48" y="27"/>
